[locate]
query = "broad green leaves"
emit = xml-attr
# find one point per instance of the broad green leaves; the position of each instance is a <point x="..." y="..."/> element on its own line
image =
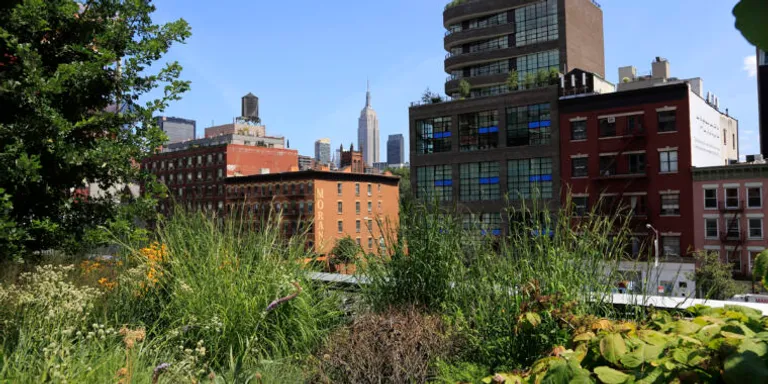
<point x="751" y="16"/>
<point x="612" y="347"/>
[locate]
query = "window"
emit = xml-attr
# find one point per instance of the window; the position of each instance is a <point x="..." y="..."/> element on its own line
<point x="487" y="223"/>
<point x="580" y="206"/>
<point x="529" y="125"/>
<point x="638" y="205"/>
<point x="710" y="198"/>
<point x="490" y="44"/>
<point x="341" y="226"/>
<point x="357" y="189"/>
<point x="668" y="161"/>
<point x="340" y="207"/>
<point x="536" y="23"/>
<point x="731" y="197"/>
<point x="338" y="189"/>
<point x="636" y="163"/>
<point x="527" y="178"/>
<point x="734" y="258"/>
<point x="370" y="207"/>
<point x="378" y="206"/>
<point x="219" y="173"/>
<point x="755" y="228"/>
<point x="358" y="241"/>
<point x="370" y="242"/>
<point x="579" y="167"/>
<point x="378" y="187"/>
<point x="493" y="68"/>
<point x="634" y="125"/>
<point x="607" y="165"/>
<point x="209" y="159"/>
<point x="579" y="130"/>
<point x="488" y="91"/>
<point x="479" y="181"/>
<point x="478" y="131"/>
<point x="199" y="175"/>
<point x="607" y="127"/>
<point x="357" y="226"/>
<point x="667" y="121"/>
<point x="434" y="182"/>
<point x="487" y="21"/>
<point x="370" y="225"/>
<point x="670" y="246"/>
<point x="433" y="135"/>
<point x="370" y="190"/>
<point x="357" y="207"/>
<point x="710" y="228"/>
<point x="670" y="204"/>
<point x="529" y="66"/>
<point x="310" y="207"/>
<point x="754" y="197"/>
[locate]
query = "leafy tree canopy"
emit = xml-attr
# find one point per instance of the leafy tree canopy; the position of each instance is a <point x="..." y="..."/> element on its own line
<point x="750" y="20"/>
<point x="71" y="77"/>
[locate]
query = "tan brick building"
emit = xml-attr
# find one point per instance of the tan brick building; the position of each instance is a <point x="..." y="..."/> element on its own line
<point x="329" y="205"/>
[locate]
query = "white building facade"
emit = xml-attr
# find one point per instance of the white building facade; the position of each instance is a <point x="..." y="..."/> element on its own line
<point x="368" y="132"/>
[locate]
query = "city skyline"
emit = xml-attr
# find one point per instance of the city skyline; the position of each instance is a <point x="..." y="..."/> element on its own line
<point x="407" y="61"/>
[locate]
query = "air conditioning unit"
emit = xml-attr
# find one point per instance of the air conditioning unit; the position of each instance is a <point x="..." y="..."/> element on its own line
<point x="611" y="120"/>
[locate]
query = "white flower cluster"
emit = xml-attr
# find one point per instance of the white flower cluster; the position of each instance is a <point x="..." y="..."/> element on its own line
<point x="48" y="292"/>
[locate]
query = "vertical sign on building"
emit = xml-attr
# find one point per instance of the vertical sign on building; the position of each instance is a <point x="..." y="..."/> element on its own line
<point x="320" y="222"/>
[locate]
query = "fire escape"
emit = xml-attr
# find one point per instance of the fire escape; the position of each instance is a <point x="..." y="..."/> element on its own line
<point x="618" y="182"/>
<point x="734" y="235"/>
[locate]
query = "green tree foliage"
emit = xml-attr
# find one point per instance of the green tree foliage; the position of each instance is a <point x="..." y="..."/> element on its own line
<point x="72" y="75"/>
<point x="760" y="271"/>
<point x="750" y="20"/>
<point x="406" y="196"/>
<point x="346" y="250"/>
<point x="464" y="88"/>
<point x="714" y="279"/>
<point x="513" y="80"/>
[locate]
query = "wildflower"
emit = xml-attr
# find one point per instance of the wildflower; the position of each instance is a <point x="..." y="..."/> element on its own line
<point x="158" y="371"/>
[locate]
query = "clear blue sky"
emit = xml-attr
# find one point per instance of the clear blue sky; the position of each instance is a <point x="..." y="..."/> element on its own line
<point x="308" y="61"/>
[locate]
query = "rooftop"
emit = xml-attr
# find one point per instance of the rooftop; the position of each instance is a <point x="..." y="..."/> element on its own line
<point x="316" y="175"/>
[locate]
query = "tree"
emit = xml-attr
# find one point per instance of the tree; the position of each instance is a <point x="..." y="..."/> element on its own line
<point x="513" y="80"/>
<point x="71" y="77"/>
<point x="429" y="97"/>
<point x="464" y="88"/>
<point x="346" y="250"/>
<point x="542" y="77"/>
<point x="750" y="20"/>
<point x="406" y="196"/>
<point x="760" y="271"/>
<point x="714" y="279"/>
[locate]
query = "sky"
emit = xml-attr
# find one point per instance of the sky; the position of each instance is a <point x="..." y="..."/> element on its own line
<point x="308" y="61"/>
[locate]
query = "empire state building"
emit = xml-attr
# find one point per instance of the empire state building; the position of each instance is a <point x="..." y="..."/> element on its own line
<point x="368" y="132"/>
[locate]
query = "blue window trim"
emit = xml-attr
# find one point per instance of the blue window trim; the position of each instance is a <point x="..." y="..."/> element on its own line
<point x="443" y="183"/>
<point x="537" y="178"/>
<point x="486" y="130"/>
<point x="489" y="180"/>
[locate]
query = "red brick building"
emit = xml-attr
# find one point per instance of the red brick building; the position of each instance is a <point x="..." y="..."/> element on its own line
<point x="195" y="176"/>
<point x="328" y="205"/>
<point x="635" y="149"/>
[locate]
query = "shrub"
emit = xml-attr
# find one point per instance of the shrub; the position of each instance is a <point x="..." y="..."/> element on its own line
<point x="491" y="286"/>
<point x="390" y="347"/>
<point x="513" y="80"/>
<point x="718" y="345"/>
<point x="464" y="88"/>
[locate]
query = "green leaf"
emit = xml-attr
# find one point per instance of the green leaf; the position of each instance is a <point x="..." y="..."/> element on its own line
<point x="582" y="379"/>
<point x="588" y="336"/>
<point x="651" y="377"/>
<point x="706" y="333"/>
<point x="558" y="373"/>
<point x="685" y="327"/>
<point x="635" y="358"/>
<point x="746" y="367"/>
<point x="613" y="347"/>
<point x="652" y="352"/>
<point x="750" y="20"/>
<point x="681" y="356"/>
<point x="759" y="348"/>
<point x="533" y="319"/>
<point x="610" y="376"/>
<point x="653" y="337"/>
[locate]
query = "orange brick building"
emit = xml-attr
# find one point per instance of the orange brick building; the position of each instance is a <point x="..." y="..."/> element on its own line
<point x="329" y="205"/>
<point x="195" y="175"/>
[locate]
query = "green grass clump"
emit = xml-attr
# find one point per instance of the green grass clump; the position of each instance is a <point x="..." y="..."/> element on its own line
<point x="511" y="294"/>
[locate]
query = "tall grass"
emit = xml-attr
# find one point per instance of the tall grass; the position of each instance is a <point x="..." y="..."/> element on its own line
<point x="203" y="307"/>
<point x="487" y="284"/>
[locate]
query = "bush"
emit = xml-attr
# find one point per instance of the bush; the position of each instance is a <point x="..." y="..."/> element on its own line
<point x="492" y="286"/>
<point x="719" y="345"/>
<point x="389" y="347"/>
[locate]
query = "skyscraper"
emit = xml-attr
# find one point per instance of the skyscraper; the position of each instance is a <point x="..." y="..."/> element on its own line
<point x="396" y="149"/>
<point x="323" y="151"/>
<point x="177" y="129"/>
<point x="368" y="132"/>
